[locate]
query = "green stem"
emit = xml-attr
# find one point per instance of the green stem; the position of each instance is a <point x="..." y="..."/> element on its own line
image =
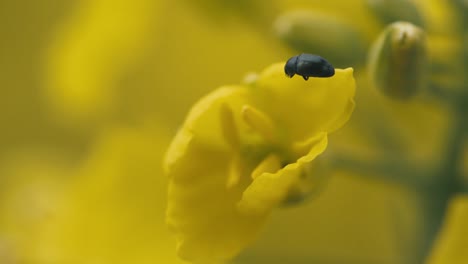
<point x="450" y="97"/>
<point x="398" y="171"/>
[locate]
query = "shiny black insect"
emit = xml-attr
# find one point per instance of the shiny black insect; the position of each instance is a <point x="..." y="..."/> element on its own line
<point x="308" y="65"/>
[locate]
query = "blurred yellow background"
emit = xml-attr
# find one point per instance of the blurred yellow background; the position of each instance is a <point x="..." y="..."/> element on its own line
<point x="92" y="92"/>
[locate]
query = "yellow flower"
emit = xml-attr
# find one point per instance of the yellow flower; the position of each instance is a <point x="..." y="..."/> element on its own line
<point x="115" y="61"/>
<point x="31" y="185"/>
<point x="113" y="209"/>
<point x="245" y="149"/>
<point x="450" y="247"/>
<point x="101" y="43"/>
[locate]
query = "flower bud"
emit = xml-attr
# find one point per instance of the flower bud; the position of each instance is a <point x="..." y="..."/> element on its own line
<point x="398" y="60"/>
<point x="389" y="11"/>
<point x="317" y="33"/>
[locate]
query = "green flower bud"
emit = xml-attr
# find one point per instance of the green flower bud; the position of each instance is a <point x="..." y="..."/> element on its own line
<point x="317" y="33"/>
<point x="389" y="11"/>
<point x="398" y="60"/>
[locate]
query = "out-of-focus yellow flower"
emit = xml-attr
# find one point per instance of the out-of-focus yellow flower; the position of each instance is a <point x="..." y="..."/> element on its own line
<point x="256" y="12"/>
<point x="25" y="31"/>
<point x="95" y="53"/>
<point x="113" y="211"/>
<point x="120" y="61"/>
<point x="451" y="245"/>
<point x="31" y="184"/>
<point x="245" y="149"/>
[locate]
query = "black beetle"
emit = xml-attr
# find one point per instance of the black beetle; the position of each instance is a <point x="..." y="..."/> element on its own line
<point x="308" y="65"/>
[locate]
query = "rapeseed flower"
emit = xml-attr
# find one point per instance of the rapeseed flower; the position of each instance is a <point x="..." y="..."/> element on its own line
<point x="244" y="150"/>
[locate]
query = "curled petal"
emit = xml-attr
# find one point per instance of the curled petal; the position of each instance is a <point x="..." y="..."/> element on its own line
<point x="306" y="108"/>
<point x="268" y="190"/>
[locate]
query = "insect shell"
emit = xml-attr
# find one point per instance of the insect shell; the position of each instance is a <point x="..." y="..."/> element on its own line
<point x="308" y="65"/>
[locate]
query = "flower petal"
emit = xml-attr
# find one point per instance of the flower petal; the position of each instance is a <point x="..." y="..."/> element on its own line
<point x="306" y="107"/>
<point x="202" y="209"/>
<point x="451" y="245"/>
<point x="270" y="189"/>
